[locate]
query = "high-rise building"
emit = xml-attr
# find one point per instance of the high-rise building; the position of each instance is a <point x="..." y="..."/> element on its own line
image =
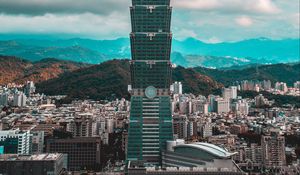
<point x="4" y="99"/>
<point x="37" y="142"/>
<point x="253" y="153"/>
<point x="281" y="86"/>
<point x="191" y="129"/>
<point x="150" y="119"/>
<point x="229" y="93"/>
<point x="109" y="125"/>
<point x="19" y="99"/>
<point x="222" y="105"/>
<point x="199" y="106"/>
<point x="29" y="88"/>
<point x="267" y="85"/>
<point x="260" y="100"/>
<point x="81" y="126"/>
<point x="206" y="130"/>
<point x="211" y="100"/>
<point x="177" y="87"/>
<point x="273" y="149"/>
<point x="240" y="106"/>
<point x="15" y="142"/>
<point x="180" y="126"/>
<point x="184" y="107"/>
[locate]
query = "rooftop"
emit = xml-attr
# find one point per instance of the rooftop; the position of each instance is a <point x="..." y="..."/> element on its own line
<point x="36" y="157"/>
<point x="210" y="148"/>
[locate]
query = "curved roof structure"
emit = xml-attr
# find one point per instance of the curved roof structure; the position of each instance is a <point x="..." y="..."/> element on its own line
<point x="208" y="148"/>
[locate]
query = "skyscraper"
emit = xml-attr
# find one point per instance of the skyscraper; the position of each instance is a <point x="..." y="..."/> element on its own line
<point x="150" y="119"/>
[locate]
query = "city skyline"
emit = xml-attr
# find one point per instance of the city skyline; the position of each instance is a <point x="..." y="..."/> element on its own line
<point x="210" y="21"/>
<point x="176" y="107"/>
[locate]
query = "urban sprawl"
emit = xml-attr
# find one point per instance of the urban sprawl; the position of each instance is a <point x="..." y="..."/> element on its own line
<point x="91" y="136"/>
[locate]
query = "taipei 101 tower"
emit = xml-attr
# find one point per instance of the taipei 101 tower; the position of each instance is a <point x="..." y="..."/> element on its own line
<point x="150" y="124"/>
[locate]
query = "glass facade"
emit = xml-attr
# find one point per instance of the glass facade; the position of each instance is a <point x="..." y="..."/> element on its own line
<point x="9" y="146"/>
<point x="150" y="123"/>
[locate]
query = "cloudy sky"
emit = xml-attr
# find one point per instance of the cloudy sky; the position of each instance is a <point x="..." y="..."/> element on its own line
<point x="207" y="20"/>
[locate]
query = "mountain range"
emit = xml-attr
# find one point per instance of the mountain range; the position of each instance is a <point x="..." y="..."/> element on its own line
<point x="103" y="81"/>
<point x="110" y="79"/>
<point x="187" y="53"/>
<point x="288" y="73"/>
<point x="18" y="70"/>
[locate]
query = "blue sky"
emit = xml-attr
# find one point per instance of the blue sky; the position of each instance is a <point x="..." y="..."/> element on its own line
<point x="207" y="20"/>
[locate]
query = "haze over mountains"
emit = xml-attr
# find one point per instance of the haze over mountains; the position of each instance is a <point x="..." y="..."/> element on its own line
<point x="187" y="53"/>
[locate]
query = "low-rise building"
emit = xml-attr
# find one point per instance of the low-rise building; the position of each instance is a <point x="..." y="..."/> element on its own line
<point x="39" y="164"/>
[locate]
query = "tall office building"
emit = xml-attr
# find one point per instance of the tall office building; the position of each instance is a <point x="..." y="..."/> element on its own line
<point x="150" y="119"/>
<point x="273" y="150"/>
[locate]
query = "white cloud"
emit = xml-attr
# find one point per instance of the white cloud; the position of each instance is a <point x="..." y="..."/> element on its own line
<point x="230" y="6"/>
<point x="41" y="7"/>
<point x="87" y="24"/>
<point x="244" y="21"/>
<point x="197" y="4"/>
<point x="266" y="6"/>
<point x="208" y="20"/>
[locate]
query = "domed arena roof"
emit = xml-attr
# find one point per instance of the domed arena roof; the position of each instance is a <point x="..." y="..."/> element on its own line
<point x="201" y="148"/>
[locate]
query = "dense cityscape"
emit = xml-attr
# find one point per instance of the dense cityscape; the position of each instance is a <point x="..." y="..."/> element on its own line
<point x="91" y="136"/>
<point x="180" y="115"/>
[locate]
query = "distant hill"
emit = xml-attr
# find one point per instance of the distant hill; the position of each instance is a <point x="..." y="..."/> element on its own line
<point x="225" y="62"/>
<point x="36" y="53"/>
<point x="102" y="81"/>
<point x="19" y="71"/>
<point x="12" y="68"/>
<point x="188" y="53"/>
<point x="195" y="82"/>
<point x="110" y="79"/>
<point x="288" y="73"/>
<point x="260" y="48"/>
